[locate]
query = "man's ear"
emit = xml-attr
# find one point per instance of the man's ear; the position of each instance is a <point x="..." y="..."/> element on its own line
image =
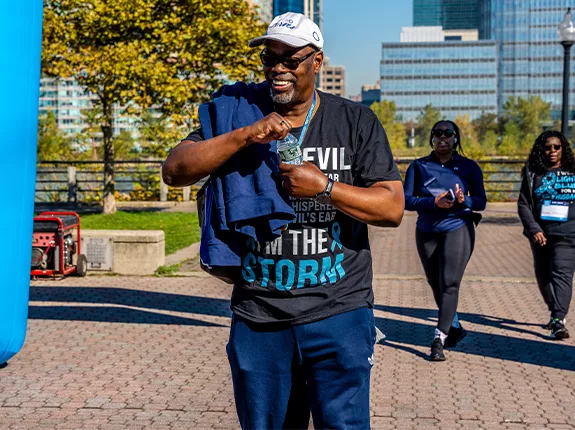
<point x="317" y="62"/>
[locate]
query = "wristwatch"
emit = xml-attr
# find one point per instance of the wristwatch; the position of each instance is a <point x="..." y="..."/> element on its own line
<point x="325" y="196"/>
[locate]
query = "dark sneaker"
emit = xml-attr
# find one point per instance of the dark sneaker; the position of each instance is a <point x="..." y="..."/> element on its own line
<point x="549" y="325"/>
<point x="454" y="336"/>
<point x="558" y="330"/>
<point x="437" y="350"/>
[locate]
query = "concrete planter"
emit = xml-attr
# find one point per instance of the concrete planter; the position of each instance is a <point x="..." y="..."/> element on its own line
<point x="125" y="252"/>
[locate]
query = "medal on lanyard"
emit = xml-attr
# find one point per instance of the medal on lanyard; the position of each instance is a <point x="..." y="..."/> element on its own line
<point x="289" y="148"/>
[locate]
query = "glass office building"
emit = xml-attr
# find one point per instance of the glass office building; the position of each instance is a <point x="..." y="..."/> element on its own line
<point x="458" y="78"/>
<point x="449" y="14"/>
<point x="66" y="99"/>
<point x="265" y="9"/>
<point x="531" y="57"/>
<point x="313" y="9"/>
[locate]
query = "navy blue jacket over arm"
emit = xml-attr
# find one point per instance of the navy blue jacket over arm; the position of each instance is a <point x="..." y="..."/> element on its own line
<point x="247" y="200"/>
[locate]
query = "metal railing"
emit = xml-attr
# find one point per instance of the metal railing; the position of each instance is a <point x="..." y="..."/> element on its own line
<point x="82" y="181"/>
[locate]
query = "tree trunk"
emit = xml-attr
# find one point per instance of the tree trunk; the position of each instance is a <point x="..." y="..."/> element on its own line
<point x="94" y="150"/>
<point x="109" y="186"/>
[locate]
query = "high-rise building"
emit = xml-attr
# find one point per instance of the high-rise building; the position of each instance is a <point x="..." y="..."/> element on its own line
<point x="435" y="34"/>
<point x="449" y="14"/>
<point x="313" y="9"/>
<point x="530" y="56"/>
<point x="332" y="79"/>
<point x="370" y="94"/>
<point x="457" y="77"/>
<point x="526" y="56"/>
<point x="265" y="9"/>
<point x="66" y="99"/>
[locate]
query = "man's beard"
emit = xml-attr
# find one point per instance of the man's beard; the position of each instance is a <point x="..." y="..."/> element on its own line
<point x="283" y="98"/>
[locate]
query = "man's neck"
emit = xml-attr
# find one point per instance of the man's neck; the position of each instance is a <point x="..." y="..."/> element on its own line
<point x="296" y="113"/>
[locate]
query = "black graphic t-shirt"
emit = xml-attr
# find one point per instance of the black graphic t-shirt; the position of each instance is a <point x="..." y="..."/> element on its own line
<point x="321" y="265"/>
<point x="554" y="198"/>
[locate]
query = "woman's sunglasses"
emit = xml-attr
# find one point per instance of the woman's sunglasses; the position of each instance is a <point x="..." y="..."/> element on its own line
<point x="550" y="147"/>
<point x="439" y="133"/>
<point x="290" y="63"/>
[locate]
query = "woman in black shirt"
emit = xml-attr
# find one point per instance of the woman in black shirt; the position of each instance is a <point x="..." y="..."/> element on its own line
<point x="546" y="207"/>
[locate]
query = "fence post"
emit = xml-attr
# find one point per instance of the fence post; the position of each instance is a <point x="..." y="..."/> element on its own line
<point x="187" y="192"/>
<point x="72" y="185"/>
<point x="163" y="189"/>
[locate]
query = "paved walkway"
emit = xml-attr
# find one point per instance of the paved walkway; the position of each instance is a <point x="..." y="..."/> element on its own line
<point x="113" y="352"/>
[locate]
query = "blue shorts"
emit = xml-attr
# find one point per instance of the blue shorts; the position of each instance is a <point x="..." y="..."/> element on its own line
<point x="325" y="366"/>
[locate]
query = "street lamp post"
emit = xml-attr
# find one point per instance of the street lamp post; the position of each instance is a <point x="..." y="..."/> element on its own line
<point x="567" y="38"/>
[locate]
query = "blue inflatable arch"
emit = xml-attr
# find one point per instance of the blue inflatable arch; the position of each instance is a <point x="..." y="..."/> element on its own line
<point x="20" y="44"/>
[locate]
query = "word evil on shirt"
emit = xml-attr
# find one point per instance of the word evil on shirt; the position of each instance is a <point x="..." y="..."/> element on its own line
<point x="327" y="159"/>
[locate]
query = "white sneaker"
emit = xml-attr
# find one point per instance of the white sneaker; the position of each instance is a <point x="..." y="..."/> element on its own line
<point x="379" y="336"/>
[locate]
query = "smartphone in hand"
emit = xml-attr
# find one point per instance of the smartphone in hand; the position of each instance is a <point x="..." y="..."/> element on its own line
<point x="450" y="196"/>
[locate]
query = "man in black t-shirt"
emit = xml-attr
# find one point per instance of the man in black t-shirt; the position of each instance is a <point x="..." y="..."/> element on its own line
<point x="303" y="326"/>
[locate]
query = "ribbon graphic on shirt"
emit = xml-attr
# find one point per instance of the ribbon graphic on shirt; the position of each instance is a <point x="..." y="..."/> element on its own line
<point x="547" y="185"/>
<point x="335" y="232"/>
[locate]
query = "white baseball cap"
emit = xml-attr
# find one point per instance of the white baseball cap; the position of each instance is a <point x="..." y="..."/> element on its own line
<point x="293" y="29"/>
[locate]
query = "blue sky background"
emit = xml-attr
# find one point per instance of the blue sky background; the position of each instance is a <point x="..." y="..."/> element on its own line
<point x="353" y="31"/>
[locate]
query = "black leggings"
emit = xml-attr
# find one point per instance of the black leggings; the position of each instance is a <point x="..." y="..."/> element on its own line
<point x="444" y="257"/>
<point x="554" y="265"/>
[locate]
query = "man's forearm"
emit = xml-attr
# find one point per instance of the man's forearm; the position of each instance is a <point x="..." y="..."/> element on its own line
<point x="191" y="161"/>
<point x="381" y="205"/>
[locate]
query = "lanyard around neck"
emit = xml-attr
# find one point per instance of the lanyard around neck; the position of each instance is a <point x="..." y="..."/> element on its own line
<point x="307" y="120"/>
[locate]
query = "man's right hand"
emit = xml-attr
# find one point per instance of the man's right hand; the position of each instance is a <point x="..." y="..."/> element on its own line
<point x="540" y="238"/>
<point x="442" y="201"/>
<point x="272" y="127"/>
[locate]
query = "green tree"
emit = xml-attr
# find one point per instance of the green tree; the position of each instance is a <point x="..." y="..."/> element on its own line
<point x="53" y="143"/>
<point x="489" y="142"/>
<point x="469" y="140"/>
<point x="485" y="123"/>
<point x="425" y="120"/>
<point x="90" y="136"/>
<point x="523" y="120"/>
<point x="386" y="111"/>
<point x="141" y="53"/>
<point x="157" y="134"/>
<point x="510" y="140"/>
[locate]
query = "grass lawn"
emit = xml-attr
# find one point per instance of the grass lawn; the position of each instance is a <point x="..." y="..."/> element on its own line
<point x="181" y="228"/>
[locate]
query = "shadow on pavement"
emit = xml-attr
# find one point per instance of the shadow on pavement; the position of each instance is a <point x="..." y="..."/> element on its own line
<point x="110" y="314"/>
<point x="123" y="297"/>
<point x="401" y="334"/>
<point x="487" y="320"/>
<point x="506" y="220"/>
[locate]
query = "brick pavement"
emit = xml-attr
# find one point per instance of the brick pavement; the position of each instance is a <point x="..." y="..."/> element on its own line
<point x="112" y="352"/>
<point x="500" y="249"/>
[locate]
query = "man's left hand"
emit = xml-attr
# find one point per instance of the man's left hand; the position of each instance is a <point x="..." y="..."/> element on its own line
<point x="303" y="181"/>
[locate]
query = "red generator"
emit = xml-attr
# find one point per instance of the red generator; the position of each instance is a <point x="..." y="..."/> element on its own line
<point x="56" y="245"/>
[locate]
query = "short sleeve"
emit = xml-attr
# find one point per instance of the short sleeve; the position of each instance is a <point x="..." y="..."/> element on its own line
<point x="373" y="161"/>
<point x="196" y="135"/>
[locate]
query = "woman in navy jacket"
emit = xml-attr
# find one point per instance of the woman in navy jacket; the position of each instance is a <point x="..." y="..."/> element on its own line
<point x="546" y="207"/>
<point x="445" y="188"/>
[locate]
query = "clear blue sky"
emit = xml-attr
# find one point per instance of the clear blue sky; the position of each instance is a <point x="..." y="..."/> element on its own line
<point x="353" y="31"/>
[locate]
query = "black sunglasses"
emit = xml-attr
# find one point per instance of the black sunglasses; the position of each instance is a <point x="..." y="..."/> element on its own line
<point x="550" y="147"/>
<point x="291" y="63"/>
<point x="446" y="133"/>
